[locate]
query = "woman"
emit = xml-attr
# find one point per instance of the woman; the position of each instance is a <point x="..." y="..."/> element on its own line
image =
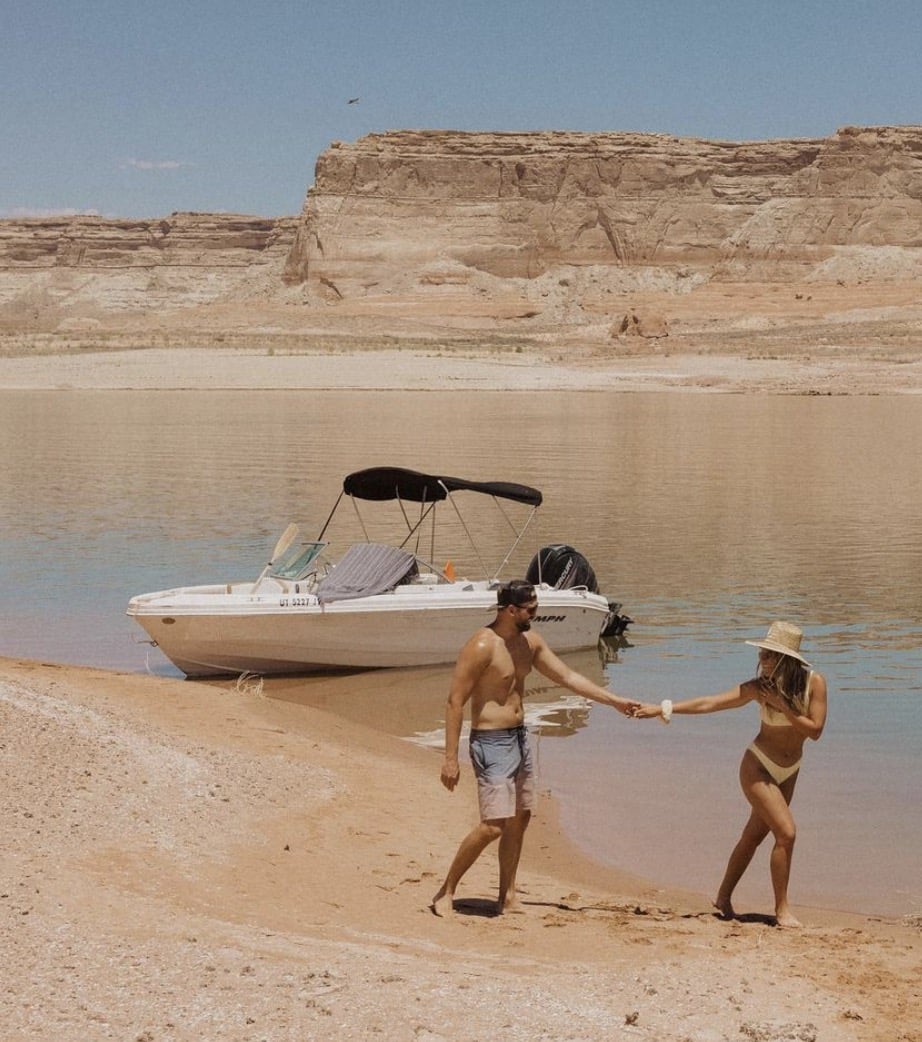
<point x="792" y="706"/>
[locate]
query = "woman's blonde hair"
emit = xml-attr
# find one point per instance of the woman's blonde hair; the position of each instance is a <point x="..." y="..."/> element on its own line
<point x="790" y="680"/>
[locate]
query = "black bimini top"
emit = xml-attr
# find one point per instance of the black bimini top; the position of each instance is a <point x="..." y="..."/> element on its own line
<point x="383" y="483"/>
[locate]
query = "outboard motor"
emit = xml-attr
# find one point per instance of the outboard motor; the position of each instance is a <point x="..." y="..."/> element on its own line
<point x="562" y="567"/>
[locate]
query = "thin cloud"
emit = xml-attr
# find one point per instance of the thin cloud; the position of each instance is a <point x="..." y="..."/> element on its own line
<point x="153" y="164"/>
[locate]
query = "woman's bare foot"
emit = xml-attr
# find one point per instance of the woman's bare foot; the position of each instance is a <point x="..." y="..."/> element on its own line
<point x="443" y="904"/>
<point x="511" y="906"/>
<point x="787" y="921"/>
<point x="724" y="908"/>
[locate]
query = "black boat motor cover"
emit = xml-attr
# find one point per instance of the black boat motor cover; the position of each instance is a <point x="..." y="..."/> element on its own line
<point x="562" y="567"/>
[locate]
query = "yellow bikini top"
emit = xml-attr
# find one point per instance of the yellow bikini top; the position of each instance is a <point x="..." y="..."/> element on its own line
<point x="775" y="718"/>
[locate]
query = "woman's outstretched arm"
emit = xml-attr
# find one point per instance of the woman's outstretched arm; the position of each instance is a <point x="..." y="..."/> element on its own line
<point x="732" y="699"/>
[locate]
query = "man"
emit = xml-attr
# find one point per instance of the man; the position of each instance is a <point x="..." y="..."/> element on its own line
<point x="490" y="674"/>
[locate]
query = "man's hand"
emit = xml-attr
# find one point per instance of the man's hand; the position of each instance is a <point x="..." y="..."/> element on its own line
<point x="451" y="772"/>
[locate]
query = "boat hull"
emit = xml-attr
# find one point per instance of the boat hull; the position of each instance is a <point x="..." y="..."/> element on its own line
<point x="208" y="631"/>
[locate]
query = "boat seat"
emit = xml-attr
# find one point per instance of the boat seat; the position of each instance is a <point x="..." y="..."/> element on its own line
<point x="364" y="570"/>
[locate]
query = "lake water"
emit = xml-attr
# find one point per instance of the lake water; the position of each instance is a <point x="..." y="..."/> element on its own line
<point x="706" y="515"/>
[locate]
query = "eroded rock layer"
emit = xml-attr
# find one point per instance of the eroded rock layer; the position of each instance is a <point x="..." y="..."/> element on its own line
<point x="429" y="233"/>
<point x="78" y="269"/>
<point x="436" y="205"/>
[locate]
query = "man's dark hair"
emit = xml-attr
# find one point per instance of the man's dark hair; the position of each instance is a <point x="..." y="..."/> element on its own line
<point x="516" y="591"/>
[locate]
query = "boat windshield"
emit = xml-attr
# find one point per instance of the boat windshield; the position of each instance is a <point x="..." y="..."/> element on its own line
<point x="298" y="561"/>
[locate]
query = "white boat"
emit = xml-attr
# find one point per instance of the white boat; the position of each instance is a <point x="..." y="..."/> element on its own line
<point x="379" y="605"/>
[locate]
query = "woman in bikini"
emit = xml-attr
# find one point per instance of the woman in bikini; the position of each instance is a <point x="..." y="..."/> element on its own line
<point x="792" y="707"/>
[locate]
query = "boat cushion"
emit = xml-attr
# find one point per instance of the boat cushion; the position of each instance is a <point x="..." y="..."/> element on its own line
<point x="364" y="570"/>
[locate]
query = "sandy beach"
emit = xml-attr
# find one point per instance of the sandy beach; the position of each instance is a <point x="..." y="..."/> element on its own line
<point x="850" y="371"/>
<point x="183" y="862"/>
<point x="186" y="863"/>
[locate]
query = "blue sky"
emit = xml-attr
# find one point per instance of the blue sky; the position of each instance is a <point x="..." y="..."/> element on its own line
<point x="138" y="109"/>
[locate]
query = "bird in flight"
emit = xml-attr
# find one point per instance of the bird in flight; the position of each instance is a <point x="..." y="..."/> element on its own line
<point x="353" y="101"/>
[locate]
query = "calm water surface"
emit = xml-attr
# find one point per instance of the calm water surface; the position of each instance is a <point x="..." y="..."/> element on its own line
<point x="708" y="516"/>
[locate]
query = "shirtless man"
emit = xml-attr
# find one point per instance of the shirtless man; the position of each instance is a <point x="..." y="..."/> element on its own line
<point x="490" y="674"/>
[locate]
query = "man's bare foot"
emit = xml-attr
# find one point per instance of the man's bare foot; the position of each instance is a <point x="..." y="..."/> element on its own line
<point x="788" y="921"/>
<point x="724" y="908"/>
<point x="443" y="904"/>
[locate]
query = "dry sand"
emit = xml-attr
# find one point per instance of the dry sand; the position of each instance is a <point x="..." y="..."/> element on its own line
<point x="186" y="862"/>
<point x="182" y="862"/>
<point x="642" y="369"/>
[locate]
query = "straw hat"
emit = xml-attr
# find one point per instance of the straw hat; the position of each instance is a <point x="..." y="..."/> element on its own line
<point x="783" y="637"/>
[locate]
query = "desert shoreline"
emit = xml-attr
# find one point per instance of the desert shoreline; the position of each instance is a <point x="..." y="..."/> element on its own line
<point x="411" y="368"/>
<point x="181" y="856"/>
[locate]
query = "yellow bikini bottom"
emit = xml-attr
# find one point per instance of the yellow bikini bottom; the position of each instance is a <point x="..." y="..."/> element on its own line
<point x="778" y="774"/>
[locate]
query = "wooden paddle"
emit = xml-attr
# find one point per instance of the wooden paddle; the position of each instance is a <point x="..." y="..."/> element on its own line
<point x="285" y="540"/>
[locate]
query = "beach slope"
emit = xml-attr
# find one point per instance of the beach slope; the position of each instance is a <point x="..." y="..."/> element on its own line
<point x="183" y="861"/>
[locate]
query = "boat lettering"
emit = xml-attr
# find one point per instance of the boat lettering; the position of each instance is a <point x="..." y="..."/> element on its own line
<point x="294" y="602"/>
<point x="550" y="618"/>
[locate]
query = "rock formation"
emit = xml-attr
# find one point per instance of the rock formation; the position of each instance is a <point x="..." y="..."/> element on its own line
<point x="432" y="207"/>
<point x="435" y="232"/>
<point x="78" y="270"/>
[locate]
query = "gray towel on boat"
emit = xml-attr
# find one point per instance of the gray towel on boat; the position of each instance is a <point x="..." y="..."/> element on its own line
<point x="364" y="570"/>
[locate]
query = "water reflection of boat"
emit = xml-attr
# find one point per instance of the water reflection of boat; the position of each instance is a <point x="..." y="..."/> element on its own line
<point x="378" y="605"/>
<point x="610" y="648"/>
<point x="410" y="703"/>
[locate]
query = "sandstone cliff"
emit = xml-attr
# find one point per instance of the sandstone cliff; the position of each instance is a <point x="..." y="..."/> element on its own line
<point x="77" y="272"/>
<point x="436" y="234"/>
<point x="413" y="205"/>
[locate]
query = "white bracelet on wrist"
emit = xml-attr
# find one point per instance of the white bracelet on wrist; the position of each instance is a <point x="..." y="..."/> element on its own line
<point x="666" y="710"/>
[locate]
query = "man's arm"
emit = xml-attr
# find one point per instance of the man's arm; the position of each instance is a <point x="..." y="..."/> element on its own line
<point x="473" y="660"/>
<point x="546" y="662"/>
